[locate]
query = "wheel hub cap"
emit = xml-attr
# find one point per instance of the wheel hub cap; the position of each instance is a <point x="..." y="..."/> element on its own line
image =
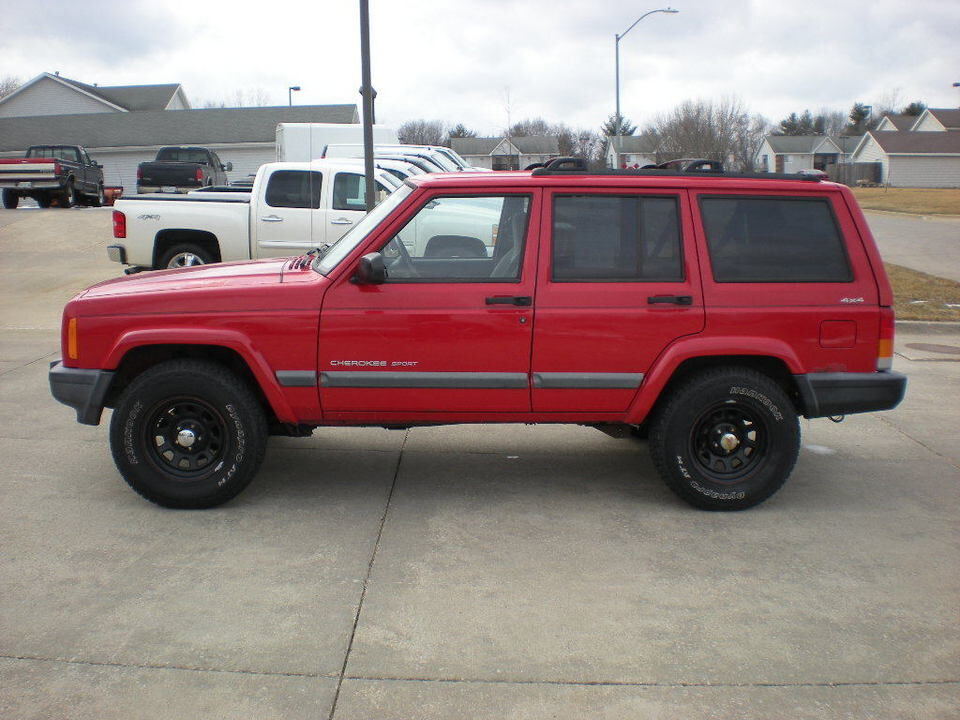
<point x="729" y="441"/>
<point x="186" y="438"/>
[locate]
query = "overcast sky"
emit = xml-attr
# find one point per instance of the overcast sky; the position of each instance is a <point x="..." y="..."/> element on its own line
<point x="480" y="61"/>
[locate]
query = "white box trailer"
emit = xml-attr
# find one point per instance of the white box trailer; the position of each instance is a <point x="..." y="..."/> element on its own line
<point x="302" y="142"/>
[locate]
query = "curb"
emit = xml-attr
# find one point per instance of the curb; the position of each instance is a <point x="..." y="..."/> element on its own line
<point x="919" y="216"/>
<point x="928" y="327"/>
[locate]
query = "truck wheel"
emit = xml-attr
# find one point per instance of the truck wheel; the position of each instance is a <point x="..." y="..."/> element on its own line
<point x="185" y="255"/>
<point x="99" y="200"/>
<point x="188" y="434"/>
<point x="10" y="200"/>
<point x="44" y="201"/>
<point x="726" y="439"/>
<point x="68" y="198"/>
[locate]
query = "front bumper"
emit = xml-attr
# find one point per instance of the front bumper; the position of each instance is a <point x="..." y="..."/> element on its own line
<point x="83" y="390"/>
<point x="829" y="394"/>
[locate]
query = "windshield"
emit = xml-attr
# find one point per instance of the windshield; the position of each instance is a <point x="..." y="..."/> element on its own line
<point x="340" y="249"/>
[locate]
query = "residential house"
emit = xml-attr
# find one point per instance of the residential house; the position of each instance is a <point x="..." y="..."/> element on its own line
<point x="913" y="158"/>
<point x="124" y="126"/>
<point x="503" y="153"/>
<point x="937" y="120"/>
<point x="892" y="122"/>
<point x="631" y="151"/>
<point x="790" y="153"/>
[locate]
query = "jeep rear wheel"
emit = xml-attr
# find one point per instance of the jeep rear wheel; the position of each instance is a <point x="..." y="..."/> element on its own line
<point x="188" y="434"/>
<point x="726" y="439"/>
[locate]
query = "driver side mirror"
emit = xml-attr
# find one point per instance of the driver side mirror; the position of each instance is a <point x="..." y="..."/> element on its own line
<point x="228" y="167"/>
<point x="371" y="270"/>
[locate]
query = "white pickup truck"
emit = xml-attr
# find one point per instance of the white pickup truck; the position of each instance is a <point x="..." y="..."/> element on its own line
<point x="292" y="207"/>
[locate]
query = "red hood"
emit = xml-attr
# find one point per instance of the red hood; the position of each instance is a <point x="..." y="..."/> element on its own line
<point x="198" y="278"/>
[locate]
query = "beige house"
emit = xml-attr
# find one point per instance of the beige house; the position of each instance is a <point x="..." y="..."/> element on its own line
<point x="123" y="126"/>
<point x="501" y="153"/>
<point x="633" y="151"/>
<point x="927" y="154"/>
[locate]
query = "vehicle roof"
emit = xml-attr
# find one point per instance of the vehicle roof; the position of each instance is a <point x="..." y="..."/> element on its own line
<point x="649" y="179"/>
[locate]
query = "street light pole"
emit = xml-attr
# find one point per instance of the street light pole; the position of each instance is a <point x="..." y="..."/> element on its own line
<point x="368" y="93"/>
<point x="290" y="91"/>
<point x="618" y="38"/>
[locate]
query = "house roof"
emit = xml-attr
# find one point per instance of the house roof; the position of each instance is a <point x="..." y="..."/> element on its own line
<point x="798" y="144"/>
<point x="917" y="143"/>
<point x="637" y="144"/>
<point x="900" y="122"/>
<point x="119" y="97"/>
<point x="948" y="117"/>
<point x="528" y="145"/>
<point x="165" y="127"/>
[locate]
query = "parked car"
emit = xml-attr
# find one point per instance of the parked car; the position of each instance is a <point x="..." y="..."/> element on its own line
<point x="181" y="169"/>
<point x="290" y="208"/>
<point x="812" y="172"/>
<point x="48" y="173"/>
<point x="711" y="310"/>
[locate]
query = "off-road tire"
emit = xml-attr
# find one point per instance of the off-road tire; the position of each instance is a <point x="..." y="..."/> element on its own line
<point x="188" y="434"/>
<point x="725" y="439"/>
<point x="184" y="255"/>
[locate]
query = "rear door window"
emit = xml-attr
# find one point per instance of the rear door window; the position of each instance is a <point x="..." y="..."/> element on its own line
<point x="773" y="240"/>
<point x="613" y="238"/>
<point x="294" y="189"/>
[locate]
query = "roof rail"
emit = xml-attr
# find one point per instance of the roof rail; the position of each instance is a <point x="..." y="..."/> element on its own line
<point x="653" y="172"/>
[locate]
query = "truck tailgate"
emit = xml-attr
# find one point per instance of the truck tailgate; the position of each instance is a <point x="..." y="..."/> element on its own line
<point x="24" y="170"/>
<point x="172" y="174"/>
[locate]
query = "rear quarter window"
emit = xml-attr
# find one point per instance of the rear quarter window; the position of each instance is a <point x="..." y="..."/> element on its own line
<point x="774" y="239"/>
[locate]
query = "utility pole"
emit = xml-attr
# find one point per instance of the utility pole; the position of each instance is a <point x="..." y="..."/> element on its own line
<point x="367" y="91"/>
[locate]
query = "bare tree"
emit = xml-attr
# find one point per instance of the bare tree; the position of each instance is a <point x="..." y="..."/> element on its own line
<point x="8" y="85"/>
<point x="423" y="132"/>
<point x="251" y="97"/>
<point x="722" y="131"/>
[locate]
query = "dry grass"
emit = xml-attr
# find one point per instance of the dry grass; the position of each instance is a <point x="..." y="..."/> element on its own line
<point x="918" y="296"/>
<point x="921" y="201"/>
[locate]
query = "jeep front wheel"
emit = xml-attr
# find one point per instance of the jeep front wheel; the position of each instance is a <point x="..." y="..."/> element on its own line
<point x="188" y="434"/>
<point x="726" y="439"/>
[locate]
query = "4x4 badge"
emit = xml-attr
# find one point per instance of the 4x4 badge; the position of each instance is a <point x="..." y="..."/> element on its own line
<point x="851" y="301"/>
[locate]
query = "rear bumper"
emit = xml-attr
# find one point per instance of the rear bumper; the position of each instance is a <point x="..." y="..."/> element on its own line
<point x="27" y="186"/>
<point x="83" y="390"/>
<point x="829" y="394"/>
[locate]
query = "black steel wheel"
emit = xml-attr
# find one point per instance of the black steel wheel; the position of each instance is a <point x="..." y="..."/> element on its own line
<point x="725" y="439"/>
<point x="188" y="434"/>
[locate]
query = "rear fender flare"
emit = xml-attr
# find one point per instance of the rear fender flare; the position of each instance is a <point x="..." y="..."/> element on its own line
<point x="684" y="349"/>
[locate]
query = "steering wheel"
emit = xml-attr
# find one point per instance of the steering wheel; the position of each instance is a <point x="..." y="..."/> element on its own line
<point x="398" y="262"/>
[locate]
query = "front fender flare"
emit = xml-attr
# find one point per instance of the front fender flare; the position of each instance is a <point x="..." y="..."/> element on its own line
<point x="230" y="339"/>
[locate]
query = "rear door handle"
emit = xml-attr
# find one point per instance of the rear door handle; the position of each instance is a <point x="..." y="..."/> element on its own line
<point x="670" y="299"/>
<point x="523" y="300"/>
<point x="341" y="221"/>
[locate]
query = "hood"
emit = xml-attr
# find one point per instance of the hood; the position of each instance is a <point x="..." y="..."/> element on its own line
<point x="193" y="279"/>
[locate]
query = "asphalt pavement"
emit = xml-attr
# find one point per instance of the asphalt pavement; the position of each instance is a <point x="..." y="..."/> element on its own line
<point x="926" y="243"/>
<point x="458" y="572"/>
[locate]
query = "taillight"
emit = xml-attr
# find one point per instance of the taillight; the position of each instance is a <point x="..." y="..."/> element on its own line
<point x="885" y="341"/>
<point x="199" y="175"/>
<point x="56" y="168"/>
<point x="139" y="173"/>
<point x="119" y="224"/>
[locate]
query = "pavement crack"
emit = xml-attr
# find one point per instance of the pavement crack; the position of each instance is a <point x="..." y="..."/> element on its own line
<point x="366" y="580"/>
<point x="159" y="666"/>
<point x="650" y="684"/>
<point x="951" y="461"/>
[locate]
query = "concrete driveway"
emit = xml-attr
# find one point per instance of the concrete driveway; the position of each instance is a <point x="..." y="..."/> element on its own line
<point x="511" y="571"/>
<point x="929" y="244"/>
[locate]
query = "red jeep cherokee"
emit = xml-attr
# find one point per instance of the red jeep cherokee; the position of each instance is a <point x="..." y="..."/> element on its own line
<point x="709" y="310"/>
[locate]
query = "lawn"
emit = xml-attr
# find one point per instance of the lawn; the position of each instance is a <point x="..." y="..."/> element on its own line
<point x="918" y="296"/>
<point x="921" y="201"/>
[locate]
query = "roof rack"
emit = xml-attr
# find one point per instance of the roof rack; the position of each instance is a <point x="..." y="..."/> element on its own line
<point x="578" y="166"/>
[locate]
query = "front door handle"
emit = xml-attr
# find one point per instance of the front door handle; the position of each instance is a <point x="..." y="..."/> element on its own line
<point x="523" y="300"/>
<point x="341" y="221"/>
<point x="670" y="299"/>
<point x="271" y="218"/>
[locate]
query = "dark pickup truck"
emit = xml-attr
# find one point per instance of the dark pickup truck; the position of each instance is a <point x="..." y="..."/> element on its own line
<point x="64" y="173"/>
<point x="181" y="169"/>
